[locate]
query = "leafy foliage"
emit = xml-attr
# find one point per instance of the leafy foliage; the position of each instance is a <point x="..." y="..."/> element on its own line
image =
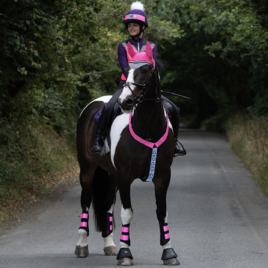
<point x="220" y="61"/>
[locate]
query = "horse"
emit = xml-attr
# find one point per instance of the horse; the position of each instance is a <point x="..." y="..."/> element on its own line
<point x="140" y="144"/>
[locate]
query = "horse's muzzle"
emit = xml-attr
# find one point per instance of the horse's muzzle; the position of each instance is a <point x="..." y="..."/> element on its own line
<point x="127" y="103"/>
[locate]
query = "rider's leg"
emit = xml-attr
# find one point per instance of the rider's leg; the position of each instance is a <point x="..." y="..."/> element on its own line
<point x="104" y="121"/>
<point x="175" y="114"/>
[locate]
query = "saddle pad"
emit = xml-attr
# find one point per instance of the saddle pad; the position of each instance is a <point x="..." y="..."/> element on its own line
<point x="98" y="114"/>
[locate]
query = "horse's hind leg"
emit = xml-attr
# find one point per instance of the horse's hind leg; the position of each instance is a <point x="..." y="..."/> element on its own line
<point x="104" y="191"/>
<point x="169" y="256"/>
<point x="107" y="232"/>
<point x="86" y="178"/>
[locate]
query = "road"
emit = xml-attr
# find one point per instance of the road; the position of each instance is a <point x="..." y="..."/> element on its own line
<point x="217" y="218"/>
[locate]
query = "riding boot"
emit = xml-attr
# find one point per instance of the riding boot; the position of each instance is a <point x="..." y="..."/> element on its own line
<point x="100" y="132"/>
<point x="179" y="149"/>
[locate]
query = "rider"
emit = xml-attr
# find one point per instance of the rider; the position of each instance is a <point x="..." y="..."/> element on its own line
<point x="135" y="22"/>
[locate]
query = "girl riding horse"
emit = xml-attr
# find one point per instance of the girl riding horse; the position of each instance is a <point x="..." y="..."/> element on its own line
<point x="135" y="22"/>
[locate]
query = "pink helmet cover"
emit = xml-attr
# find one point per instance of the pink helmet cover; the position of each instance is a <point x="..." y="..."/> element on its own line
<point x="146" y="56"/>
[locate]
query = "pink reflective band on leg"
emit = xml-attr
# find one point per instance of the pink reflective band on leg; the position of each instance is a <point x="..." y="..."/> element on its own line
<point x="125" y="229"/>
<point x="111" y="227"/>
<point x="165" y="228"/>
<point x="83" y="224"/>
<point x="124" y="237"/>
<point x="166" y="236"/>
<point x="111" y="219"/>
<point x="84" y="216"/>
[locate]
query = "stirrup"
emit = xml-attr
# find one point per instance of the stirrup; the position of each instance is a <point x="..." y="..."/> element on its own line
<point x="179" y="149"/>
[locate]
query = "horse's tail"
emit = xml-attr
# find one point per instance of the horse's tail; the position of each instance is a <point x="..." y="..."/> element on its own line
<point x="101" y="193"/>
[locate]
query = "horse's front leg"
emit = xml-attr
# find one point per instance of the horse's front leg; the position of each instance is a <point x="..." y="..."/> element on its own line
<point x="124" y="256"/>
<point x="169" y="256"/>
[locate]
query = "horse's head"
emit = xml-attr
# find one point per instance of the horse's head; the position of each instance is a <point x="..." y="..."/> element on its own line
<point x="141" y="71"/>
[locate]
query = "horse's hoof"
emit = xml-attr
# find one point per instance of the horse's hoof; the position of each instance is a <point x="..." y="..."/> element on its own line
<point x="172" y="261"/>
<point x="110" y="251"/>
<point x="81" y="252"/>
<point x="124" y="262"/>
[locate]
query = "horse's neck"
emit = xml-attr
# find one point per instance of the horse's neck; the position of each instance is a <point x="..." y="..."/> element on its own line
<point x="149" y="119"/>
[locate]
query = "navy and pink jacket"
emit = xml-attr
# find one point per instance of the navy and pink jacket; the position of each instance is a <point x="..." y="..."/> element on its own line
<point x="123" y="56"/>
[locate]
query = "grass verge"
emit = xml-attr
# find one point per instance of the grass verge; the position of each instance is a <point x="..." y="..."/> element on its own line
<point x="34" y="161"/>
<point x="248" y="137"/>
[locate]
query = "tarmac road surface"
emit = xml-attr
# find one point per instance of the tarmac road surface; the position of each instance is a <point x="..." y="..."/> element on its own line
<point x="217" y="218"/>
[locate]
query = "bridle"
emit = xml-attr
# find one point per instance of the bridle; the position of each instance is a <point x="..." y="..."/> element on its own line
<point x="145" y="86"/>
<point x="137" y="100"/>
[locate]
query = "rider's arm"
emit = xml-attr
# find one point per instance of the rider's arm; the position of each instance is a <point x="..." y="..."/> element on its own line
<point x="122" y="58"/>
<point x="155" y="52"/>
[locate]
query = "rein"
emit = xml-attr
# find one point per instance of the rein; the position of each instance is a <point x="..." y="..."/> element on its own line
<point x="145" y="86"/>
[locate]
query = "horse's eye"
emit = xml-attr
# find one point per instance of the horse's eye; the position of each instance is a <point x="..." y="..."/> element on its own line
<point x="145" y="70"/>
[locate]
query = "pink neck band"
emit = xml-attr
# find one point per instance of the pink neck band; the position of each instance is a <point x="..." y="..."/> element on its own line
<point x="147" y="143"/>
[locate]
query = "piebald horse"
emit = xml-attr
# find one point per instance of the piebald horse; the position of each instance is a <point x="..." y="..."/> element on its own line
<point x="140" y="145"/>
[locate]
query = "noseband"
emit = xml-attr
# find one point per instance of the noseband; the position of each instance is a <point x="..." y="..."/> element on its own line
<point x="145" y="86"/>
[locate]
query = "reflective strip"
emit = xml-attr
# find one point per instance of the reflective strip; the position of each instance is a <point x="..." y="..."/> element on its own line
<point x="167" y="236"/>
<point x="124" y="237"/>
<point x="134" y="17"/>
<point x="83" y="224"/>
<point x="84" y="216"/>
<point x="111" y="219"/>
<point x="165" y="228"/>
<point x="125" y="229"/>
<point x="111" y="227"/>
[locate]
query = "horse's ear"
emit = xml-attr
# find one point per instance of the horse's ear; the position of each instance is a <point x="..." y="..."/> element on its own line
<point x="148" y="51"/>
<point x="131" y="50"/>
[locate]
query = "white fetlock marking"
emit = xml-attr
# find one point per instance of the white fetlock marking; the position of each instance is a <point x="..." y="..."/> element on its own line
<point x="167" y="245"/>
<point x="126" y="215"/>
<point x="123" y="245"/>
<point x="109" y="241"/>
<point x="166" y="218"/>
<point x="82" y="242"/>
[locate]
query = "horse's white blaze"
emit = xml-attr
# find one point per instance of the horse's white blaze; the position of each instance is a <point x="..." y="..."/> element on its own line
<point x="126" y="216"/>
<point x="105" y="99"/>
<point x="118" y="126"/>
<point x="126" y="91"/>
<point x="82" y="241"/>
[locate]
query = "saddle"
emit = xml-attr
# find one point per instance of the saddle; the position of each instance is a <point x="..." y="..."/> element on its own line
<point x="115" y="112"/>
